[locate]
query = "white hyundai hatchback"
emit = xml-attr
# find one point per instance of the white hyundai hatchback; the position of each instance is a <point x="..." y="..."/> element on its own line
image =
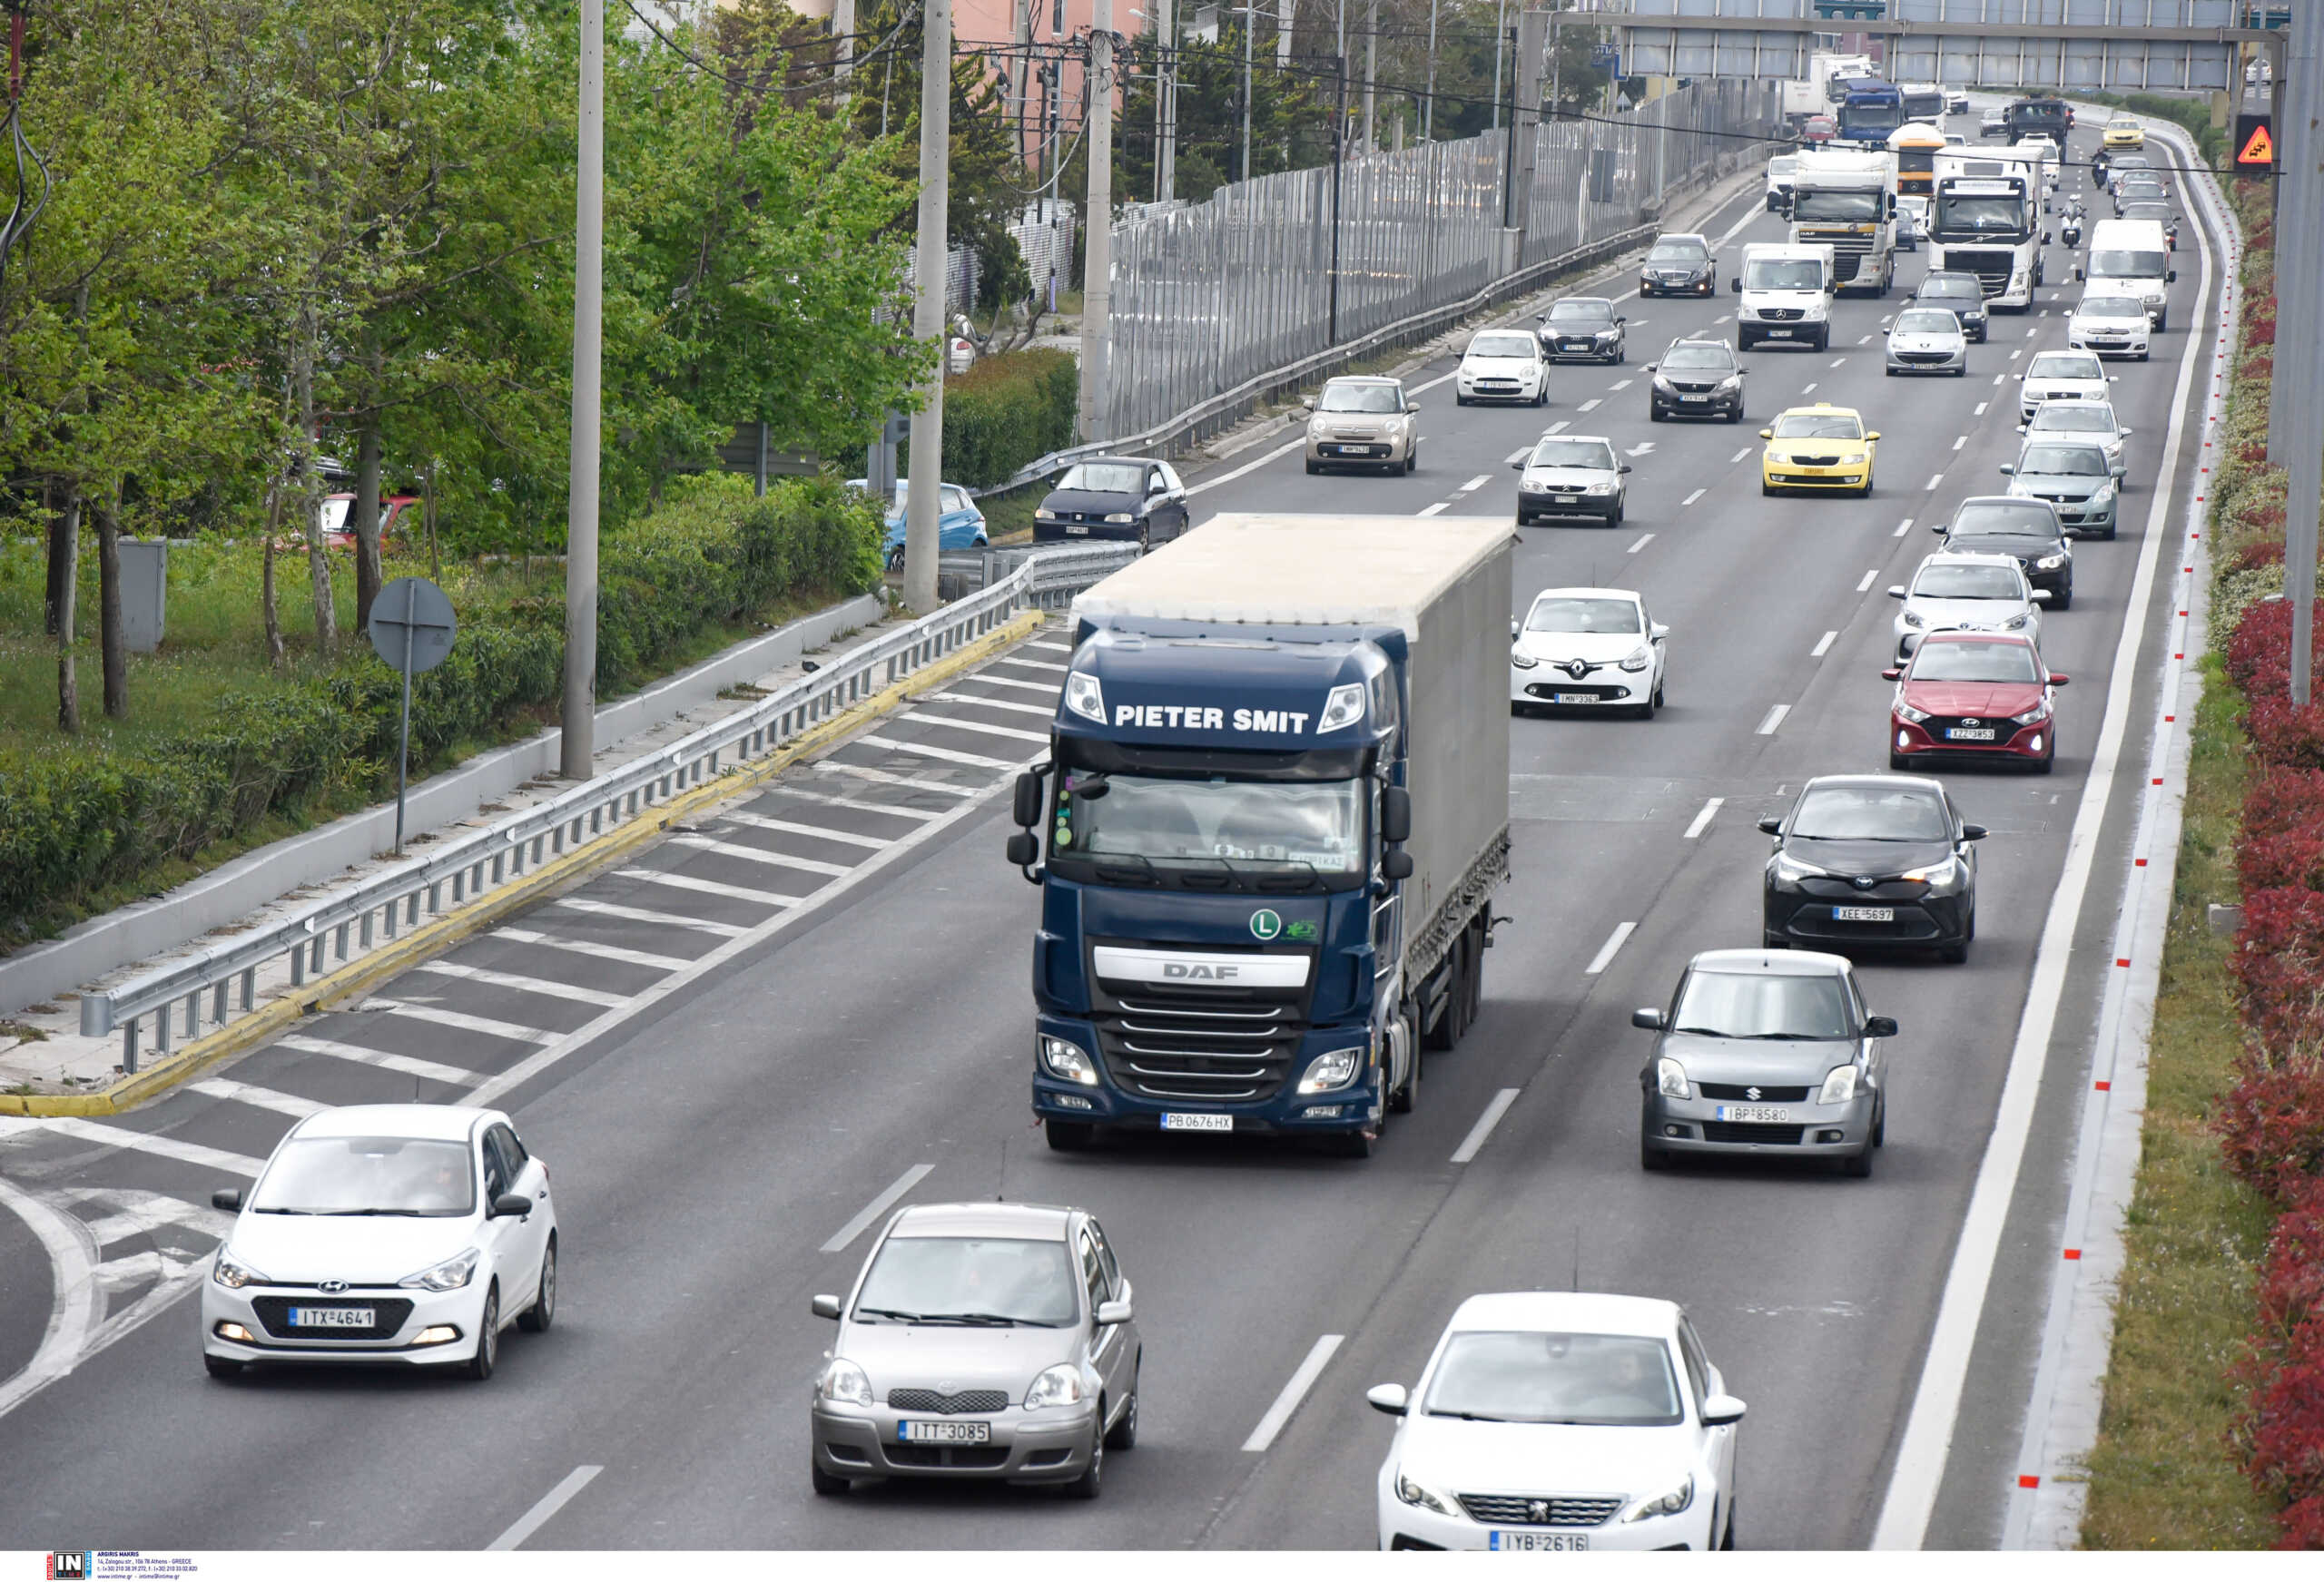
<point x="408" y="1234"/>
<point x="1557" y="1422"/>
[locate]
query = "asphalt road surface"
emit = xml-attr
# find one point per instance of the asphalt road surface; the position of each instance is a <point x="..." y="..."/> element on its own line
<point x="823" y="989"/>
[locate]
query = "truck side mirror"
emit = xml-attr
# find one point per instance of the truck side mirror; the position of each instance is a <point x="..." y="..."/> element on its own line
<point x="1395" y="815"/>
<point x="1396" y="864"/>
<point x="2077" y="273"/>
<point x="1736" y="284"/>
<point x="1024" y="849"/>
<point x="1025" y="806"/>
<point x="2171" y="276"/>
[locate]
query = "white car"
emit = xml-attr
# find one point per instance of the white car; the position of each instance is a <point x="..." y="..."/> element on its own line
<point x="1956" y="101"/>
<point x="1570" y="474"/>
<point x="1502" y="364"/>
<point x="404" y="1235"/>
<point x="1587" y="648"/>
<point x="2062" y="376"/>
<point x="2079" y="420"/>
<point x="2109" y="326"/>
<point x="1550" y="1421"/>
<point x="1962" y="591"/>
<point x="1926" y="340"/>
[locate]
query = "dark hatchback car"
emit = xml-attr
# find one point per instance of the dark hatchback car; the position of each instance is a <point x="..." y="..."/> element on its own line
<point x="2028" y="530"/>
<point x="1113" y="497"/>
<point x="1678" y="265"/>
<point x="1695" y="379"/>
<point x="1958" y="291"/>
<point x="1871" y="859"/>
<point x="1583" y="330"/>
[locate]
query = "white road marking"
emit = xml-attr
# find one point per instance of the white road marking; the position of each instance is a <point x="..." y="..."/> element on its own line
<point x="2017" y="353"/>
<point x="134" y="1269"/>
<point x="990" y="680"/>
<point x="1641" y="449"/>
<point x="1618" y="385"/>
<point x="2032" y="331"/>
<point x="733" y="892"/>
<point x="1614" y="941"/>
<point x="1301" y="1381"/>
<point x="519" y="981"/>
<point x="1775" y="718"/>
<point x="944" y="754"/>
<point x="1960" y="440"/>
<point x="1052" y="647"/>
<point x="1588" y="405"/>
<point x="1738" y="455"/>
<point x="1998" y="378"/>
<point x="88" y="1131"/>
<point x="816" y="831"/>
<point x="1703" y="819"/>
<point x="1935" y="479"/>
<point x="407" y="1065"/>
<point x="1517" y="455"/>
<point x="547" y="1506"/>
<point x="1981" y="409"/>
<point x="954" y="722"/>
<point x="488" y="1026"/>
<point x="1903" y="527"/>
<point x="1643" y="540"/>
<point x="792" y="788"/>
<point x="1559" y="427"/>
<point x="1690" y="499"/>
<point x="265" y="1098"/>
<point x="575" y="903"/>
<point x="1432" y="510"/>
<point x="141" y="1214"/>
<point x="1722" y="319"/>
<point x="1010" y="704"/>
<point x="1808" y="388"/>
<point x="1867" y="581"/>
<point x="1823" y="645"/>
<point x="1478" y="482"/>
<point x="1838" y="361"/>
<point x="76" y="1301"/>
<point x="591" y="947"/>
<point x="1860" y="341"/>
<point x="883" y="777"/>
<point x="876" y="1207"/>
<point x="1248" y="467"/>
<point x="1032" y="664"/>
<point x="1495" y="1108"/>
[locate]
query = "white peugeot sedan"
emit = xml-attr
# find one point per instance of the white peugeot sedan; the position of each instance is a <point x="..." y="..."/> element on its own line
<point x="1556" y="1422"/>
<point x="1963" y="591"/>
<point x="1926" y="340"/>
<point x="409" y="1233"/>
<point x="2109" y="326"/>
<point x="2062" y="376"/>
<point x="1587" y="648"/>
<point x="1502" y="364"/>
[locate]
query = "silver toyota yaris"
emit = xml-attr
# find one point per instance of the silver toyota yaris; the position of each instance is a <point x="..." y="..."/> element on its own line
<point x="981" y="1340"/>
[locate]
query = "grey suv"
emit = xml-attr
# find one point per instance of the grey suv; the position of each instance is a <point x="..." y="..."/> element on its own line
<point x="981" y="1340"/>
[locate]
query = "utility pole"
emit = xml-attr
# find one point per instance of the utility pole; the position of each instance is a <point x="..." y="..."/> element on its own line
<point x="1250" y="26"/>
<point x="1283" y="33"/>
<point x="2303" y="264"/>
<point x="923" y="498"/>
<point x="1098" y="222"/>
<point x="844" y="33"/>
<point x="1371" y="61"/>
<point x="1428" y="113"/>
<point x="1500" y="32"/>
<point x="1339" y="161"/>
<point x="1021" y="74"/>
<point x="576" y="733"/>
<point x="1165" y="108"/>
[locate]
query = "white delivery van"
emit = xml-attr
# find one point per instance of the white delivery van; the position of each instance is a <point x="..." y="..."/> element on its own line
<point x="2131" y="257"/>
<point x="1785" y="295"/>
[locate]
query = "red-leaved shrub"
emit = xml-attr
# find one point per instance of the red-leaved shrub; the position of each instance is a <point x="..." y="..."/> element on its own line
<point x="2281" y="734"/>
<point x="2277" y="800"/>
<point x="2281" y="1435"/>
<point x="2279" y="961"/>
<point x="2288" y="859"/>
<point x="2271" y="1128"/>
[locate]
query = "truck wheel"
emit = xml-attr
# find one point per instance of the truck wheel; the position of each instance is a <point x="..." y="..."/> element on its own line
<point x="1070" y="1137"/>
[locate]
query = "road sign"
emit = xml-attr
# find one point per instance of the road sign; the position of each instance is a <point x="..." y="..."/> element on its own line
<point x="2255" y="142"/>
<point x="412" y="628"/>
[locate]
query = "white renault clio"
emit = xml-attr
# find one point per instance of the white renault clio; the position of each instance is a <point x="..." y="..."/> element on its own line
<point x="402" y="1234"/>
<point x="1554" y="1421"/>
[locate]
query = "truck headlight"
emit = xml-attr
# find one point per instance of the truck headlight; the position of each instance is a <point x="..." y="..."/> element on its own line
<point x="1840" y="1085"/>
<point x="1065" y="1058"/>
<point x="1670" y="1079"/>
<point x="1085" y="697"/>
<point x="1343" y="706"/>
<point x="1335" y="1068"/>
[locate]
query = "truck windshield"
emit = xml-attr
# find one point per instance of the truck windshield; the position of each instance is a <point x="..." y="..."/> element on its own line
<point x="1988" y="215"/>
<point x="1837" y="206"/>
<point x="1155" y="821"/>
<point x="2125" y="264"/>
<point x="1783" y="274"/>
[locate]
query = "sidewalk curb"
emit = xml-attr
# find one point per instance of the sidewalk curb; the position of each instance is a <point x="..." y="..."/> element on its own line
<point x="450" y="928"/>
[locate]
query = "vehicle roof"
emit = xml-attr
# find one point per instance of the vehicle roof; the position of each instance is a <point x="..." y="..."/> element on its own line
<point x="1592" y="438"/>
<point x="1822" y="406"/>
<point x="1592" y="593"/>
<point x="1953" y="634"/>
<point x="1772" y="963"/>
<point x="1594" y="301"/>
<point x="1915" y="782"/>
<point x="2076" y="403"/>
<point x="2023" y="501"/>
<point x="1124" y="460"/>
<point x="1700" y="338"/>
<point x="1024" y="1221"/>
<point x="439" y="1122"/>
<point x="1967" y="557"/>
<point x="1682" y="236"/>
<point x="1573" y="1311"/>
<point x="1364" y="379"/>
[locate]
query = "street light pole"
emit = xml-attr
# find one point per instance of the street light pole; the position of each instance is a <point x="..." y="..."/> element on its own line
<point x="576" y="734"/>
<point x="1096" y="223"/>
<point x="923" y="496"/>
<point x="1428" y="114"/>
<point x="1250" y="25"/>
<point x="2299" y="262"/>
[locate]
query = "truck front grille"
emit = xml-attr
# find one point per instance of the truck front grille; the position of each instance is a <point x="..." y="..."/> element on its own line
<point x="1202" y="1046"/>
<point x="1993" y="267"/>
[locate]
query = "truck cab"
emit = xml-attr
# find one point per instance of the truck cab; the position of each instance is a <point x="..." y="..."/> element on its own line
<point x="1785" y="296"/>
<point x="1985" y="219"/>
<point x="1847" y="199"/>
<point x="2045" y="117"/>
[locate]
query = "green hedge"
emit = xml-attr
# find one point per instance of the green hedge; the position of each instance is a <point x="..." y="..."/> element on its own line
<point x="1008" y="410"/>
<point x="2194" y="114"/>
<point x="74" y="821"/>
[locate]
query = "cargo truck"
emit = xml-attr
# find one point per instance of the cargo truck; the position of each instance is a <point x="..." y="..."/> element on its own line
<point x="1846" y="199"/>
<point x="1825" y="85"/>
<point x="1273" y="817"/>
<point x="1986" y="218"/>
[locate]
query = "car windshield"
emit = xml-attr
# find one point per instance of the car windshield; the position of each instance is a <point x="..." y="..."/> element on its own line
<point x="1340" y="397"/>
<point x="1783" y="164"/>
<point x="2131" y="162"/>
<point x="1524" y="346"/>
<point x="1967" y="582"/>
<point x="970" y="1280"/>
<point x="1317" y="824"/>
<point x="1594" y="454"/>
<point x="2063" y="460"/>
<point x="1950" y="286"/>
<point x="1672" y="250"/>
<point x="1992" y="662"/>
<point x="1104" y="477"/>
<point x="2064" y="365"/>
<point x="1819" y="426"/>
<point x="2127" y="263"/>
<point x="1597" y="617"/>
<point x="1930" y="322"/>
<point x="1783" y="274"/>
<point x="2002" y="517"/>
<point x="1763" y="1004"/>
<point x="1537" y="1377"/>
<point x="2110" y="308"/>
<point x="2147" y="209"/>
<point x="2073" y="419"/>
<point x="1698" y="354"/>
<point x="1581" y="310"/>
<point x="1828" y="205"/>
<point x="422" y="1178"/>
<point x="1863" y="812"/>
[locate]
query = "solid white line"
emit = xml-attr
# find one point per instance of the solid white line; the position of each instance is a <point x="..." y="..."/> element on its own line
<point x="954" y="722"/>
<point x="407" y="1065"/>
<point x="1690" y="499"/>
<point x="883" y="777"/>
<point x="1981" y="408"/>
<point x="75" y="1301"/>
<point x="1927" y="1442"/>
<point x="733" y="892"/>
<point x="1248" y="467"/>
<point x="1869" y="578"/>
<point x="1823" y="645"/>
<point x="576" y="903"/>
<point x="1618" y="385"/>
<point x="816" y="831"/>
<point x="1775" y="718"/>
<point x="265" y="1098"/>
<point x="1478" y="482"/>
<point x="876" y="1207"/>
<point x="1559" y="427"/>
<point x="946" y="755"/>
<point x="1960" y="440"/>
<point x="1589" y="404"/>
<point x="488" y="1027"/>
<point x="1432" y="510"/>
<point x="591" y="947"/>
<point x="1622" y="931"/>
<point x="1935" y="479"/>
<point x="1643" y="540"/>
<point x="1738" y="455"/>
<point x="1903" y="527"/>
<point x="519" y="981"/>
<point x="89" y="1130"/>
<point x="547" y="1506"/>
<point x="1703" y="819"/>
<point x="1495" y="1108"/>
<point x="1318" y="1355"/>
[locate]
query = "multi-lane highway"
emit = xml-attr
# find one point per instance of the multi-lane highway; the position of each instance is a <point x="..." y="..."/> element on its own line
<point x="843" y="1022"/>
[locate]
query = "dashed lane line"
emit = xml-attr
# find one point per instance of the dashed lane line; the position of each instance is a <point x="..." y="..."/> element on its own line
<point x="1868" y="577"/>
<point x="1702" y="820"/>
<point x="1432" y="510"/>
<point x="1496" y="1107"/>
<point x="1643" y="540"/>
<point x="1935" y="479"/>
<point x="1823" y="645"/>
<point x="1614" y="941"/>
<point x="1960" y="440"/>
<point x="405" y="1065"/>
<point x="1618" y="385"/>
<point x="1903" y="527"/>
<point x="1559" y="427"/>
<point x="1774" y="718"/>
<point x="1295" y="1391"/>
<point x="1478" y="482"/>
<point x="1738" y="455"/>
<point x="1981" y="408"/>
<point x="1589" y="405"/>
<point x="579" y="903"/>
<point x="1690" y="499"/>
<point x="546" y="1506"/>
<point x="876" y="1207"/>
<point x="1808" y="388"/>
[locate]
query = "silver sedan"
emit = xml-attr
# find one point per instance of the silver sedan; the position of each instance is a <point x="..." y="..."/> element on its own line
<point x="1927" y="340"/>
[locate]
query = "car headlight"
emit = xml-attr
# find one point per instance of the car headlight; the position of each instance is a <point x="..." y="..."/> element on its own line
<point x="1608" y="334"/>
<point x="1790" y="869"/>
<point x="2101" y="498"/>
<point x="844" y="1384"/>
<point x="1670" y="1079"/>
<point x="1905" y="710"/>
<point x="1520" y="658"/>
<point x="1944" y="872"/>
<point x="1669" y="1503"/>
<point x="1912" y="618"/>
<point x="1840" y="1085"/>
<point x="1661" y="383"/>
<point x="1334" y="1068"/>
<point x="2034" y="715"/>
<point x="1421" y="1495"/>
<point x="1852" y="458"/>
<point x="449" y="1275"/>
<point x="1604" y="488"/>
<point x="1121" y="518"/>
<point x="1068" y="1059"/>
<point x="1639" y="659"/>
<point x="233" y="1276"/>
<point x="1057" y="1386"/>
<point x="1731" y="382"/>
<point x="1043" y="513"/>
<point x="2014" y="623"/>
<point x="1314" y="428"/>
<point x="2052" y="562"/>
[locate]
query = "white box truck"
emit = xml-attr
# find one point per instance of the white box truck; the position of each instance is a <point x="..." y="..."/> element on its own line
<point x="1985" y="219"/>
<point x="1846" y="199"/>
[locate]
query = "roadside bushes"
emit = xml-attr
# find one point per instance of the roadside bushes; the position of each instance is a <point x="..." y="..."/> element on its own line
<point x="1008" y="410"/>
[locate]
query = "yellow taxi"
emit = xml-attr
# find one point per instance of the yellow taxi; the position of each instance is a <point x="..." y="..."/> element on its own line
<point x="2124" y="132"/>
<point x="1822" y="447"/>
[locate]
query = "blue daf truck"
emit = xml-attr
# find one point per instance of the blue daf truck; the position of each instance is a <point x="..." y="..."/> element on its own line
<point x="1268" y="833"/>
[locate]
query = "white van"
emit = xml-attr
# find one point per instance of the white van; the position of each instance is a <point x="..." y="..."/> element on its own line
<point x="2131" y="257"/>
<point x="1785" y="294"/>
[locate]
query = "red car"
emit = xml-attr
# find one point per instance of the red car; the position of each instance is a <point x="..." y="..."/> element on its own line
<point x="1819" y="129"/>
<point x="1973" y="694"/>
<point x="337" y="508"/>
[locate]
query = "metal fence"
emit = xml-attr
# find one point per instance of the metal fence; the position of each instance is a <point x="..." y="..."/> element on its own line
<point x="1207" y="296"/>
<point x="173" y="1003"/>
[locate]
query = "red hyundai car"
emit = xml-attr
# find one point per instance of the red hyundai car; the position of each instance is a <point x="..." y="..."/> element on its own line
<point x="1973" y="694"/>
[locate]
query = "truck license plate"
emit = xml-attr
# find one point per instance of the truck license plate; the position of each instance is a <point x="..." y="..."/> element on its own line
<point x="1194" y="1122"/>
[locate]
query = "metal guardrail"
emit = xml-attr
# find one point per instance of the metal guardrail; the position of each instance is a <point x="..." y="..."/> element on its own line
<point x="397" y="899"/>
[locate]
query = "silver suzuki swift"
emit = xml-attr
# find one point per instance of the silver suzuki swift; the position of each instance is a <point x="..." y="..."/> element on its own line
<point x="981" y="1340"/>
